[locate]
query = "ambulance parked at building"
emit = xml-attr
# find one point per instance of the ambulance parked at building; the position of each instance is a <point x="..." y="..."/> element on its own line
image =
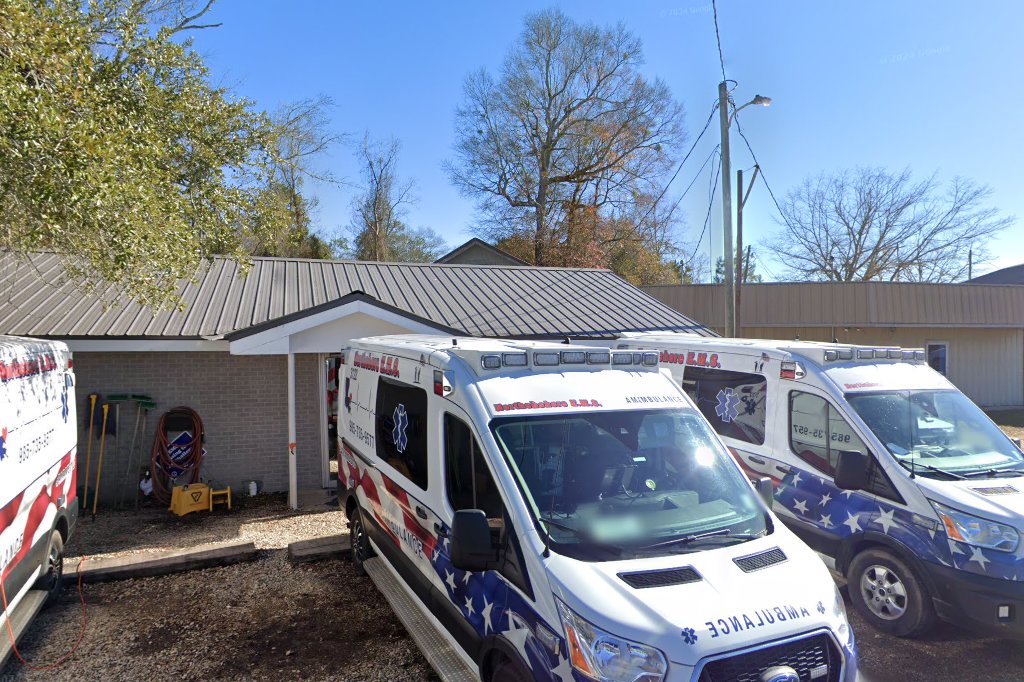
<point x="880" y="464"/>
<point x="560" y="512"/>
<point x="38" y="509"/>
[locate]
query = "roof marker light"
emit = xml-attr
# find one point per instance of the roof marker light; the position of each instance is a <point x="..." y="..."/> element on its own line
<point x="907" y="355"/>
<point x="865" y="354"/>
<point x="790" y="369"/>
<point x="895" y="353"/>
<point x="490" y="361"/>
<point x="919" y="355"/>
<point x="598" y="357"/>
<point x="442" y="386"/>
<point x="545" y="359"/>
<point x="650" y="359"/>
<point x="513" y="359"/>
<point x="831" y="355"/>
<point x="638" y="358"/>
<point x="846" y="354"/>
<point x="574" y="357"/>
<point x="622" y="358"/>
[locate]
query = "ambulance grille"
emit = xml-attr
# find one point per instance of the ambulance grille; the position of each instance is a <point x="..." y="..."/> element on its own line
<point x="755" y="562"/>
<point x="815" y="659"/>
<point x="997" y="490"/>
<point x="671" y="576"/>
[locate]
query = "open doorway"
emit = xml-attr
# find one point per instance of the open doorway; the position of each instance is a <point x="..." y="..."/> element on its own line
<point x="330" y="382"/>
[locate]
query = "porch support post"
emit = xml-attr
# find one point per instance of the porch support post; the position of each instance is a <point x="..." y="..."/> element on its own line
<point x="293" y="483"/>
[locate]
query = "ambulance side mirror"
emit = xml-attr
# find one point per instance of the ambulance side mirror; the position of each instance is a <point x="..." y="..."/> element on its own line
<point x="1016" y="441"/>
<point x="852" y="470"/>
<point x="766" y="489"/>
<point x="472" y="549"/>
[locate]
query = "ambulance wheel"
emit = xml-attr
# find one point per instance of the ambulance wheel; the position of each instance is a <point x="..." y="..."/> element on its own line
<point x="507" y="671"/>
<point x="887" y="592"/>
<point x="361" y="550"/>
<point x="53" y="568"/>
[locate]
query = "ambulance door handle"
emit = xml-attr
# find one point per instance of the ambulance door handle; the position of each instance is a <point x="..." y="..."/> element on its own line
<point x="421" y="512"/>
<point x="755" y="460"/>
<point x="440" y="531"/>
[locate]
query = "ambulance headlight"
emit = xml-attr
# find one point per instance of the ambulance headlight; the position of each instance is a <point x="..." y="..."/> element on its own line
<point x="972" y="530"/>
<point x="602" y="656"/>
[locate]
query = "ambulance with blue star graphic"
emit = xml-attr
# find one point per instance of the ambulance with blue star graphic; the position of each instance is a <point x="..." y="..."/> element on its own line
<point x="545" y="511"/>
<point x="902" y="483"/>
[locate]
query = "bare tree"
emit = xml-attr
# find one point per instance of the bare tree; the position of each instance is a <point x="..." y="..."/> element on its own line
<point x="569" y="119"/>
<point x="378" y="230"/>
<point x="873" y="224"/>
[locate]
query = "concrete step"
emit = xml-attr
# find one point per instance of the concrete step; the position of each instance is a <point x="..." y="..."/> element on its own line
<point x="29" y="606"/>
<point x="448" y="663"/>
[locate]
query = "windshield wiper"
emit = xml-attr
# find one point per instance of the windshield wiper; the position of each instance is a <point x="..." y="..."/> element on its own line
<point x="992" y="473"/>
<point x="690" y="539"/>
<point x="583" y="535"/>
<point x="911" y="465"/>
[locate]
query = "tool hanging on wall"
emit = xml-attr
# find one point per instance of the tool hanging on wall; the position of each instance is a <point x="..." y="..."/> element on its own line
<point x="133" y="468"/>
<point x="178" y="462"/>
<point x="88" y="451"/>
<point x="99" y="462"/>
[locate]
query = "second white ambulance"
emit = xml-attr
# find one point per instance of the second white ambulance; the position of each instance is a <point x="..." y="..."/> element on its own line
<point x="559" y="512"/>
<point x="880" y="464"/>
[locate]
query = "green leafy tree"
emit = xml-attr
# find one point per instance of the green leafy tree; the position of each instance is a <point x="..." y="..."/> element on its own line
<point x="118" y="153"/>
<point x="749" y="265"/>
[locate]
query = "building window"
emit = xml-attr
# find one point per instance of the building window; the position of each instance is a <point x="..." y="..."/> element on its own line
<point x="817" y="432"/>
<point x="733" y="402"/>
<point x="468" y="481"/>
<point x="402" y="429"/>
<point x="937" y="354"/>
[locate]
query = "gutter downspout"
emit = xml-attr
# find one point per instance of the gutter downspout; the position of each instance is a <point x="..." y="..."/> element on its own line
<point x="293" y="489"/>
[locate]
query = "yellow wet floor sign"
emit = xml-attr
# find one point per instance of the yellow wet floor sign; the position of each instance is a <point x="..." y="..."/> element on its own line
<point x="186" y="499"/>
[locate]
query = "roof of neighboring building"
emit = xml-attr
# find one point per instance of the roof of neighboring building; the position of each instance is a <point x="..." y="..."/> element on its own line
<point x="1011" y="275"/>
<point x="848" y="304"/>
<point x="38" y="299"/>
<point x="478" y="252"/>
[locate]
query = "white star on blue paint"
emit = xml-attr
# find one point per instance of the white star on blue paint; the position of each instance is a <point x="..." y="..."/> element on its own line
<point x="800" y="506"/>
<point x="826" y="520"/>
<point x="853" y="521"/>
<point x="976" y="555"/>
<point x="469" y="606"/>
<point x="796" y="479"/>
<point x="885" y="519"/>
<point x="486" y="614"/>
<point x="825" y="499"/>
<point x="450" y="579"/>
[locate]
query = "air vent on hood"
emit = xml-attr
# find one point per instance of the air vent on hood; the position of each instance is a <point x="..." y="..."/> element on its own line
<point x="670" y="576"/>
<point x="755" y="562"/>
<point x="997" y="490"/>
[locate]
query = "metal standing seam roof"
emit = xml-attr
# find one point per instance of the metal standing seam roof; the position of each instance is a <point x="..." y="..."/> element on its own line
<point x="37" y="298"/>
<point x="850" y="304"/>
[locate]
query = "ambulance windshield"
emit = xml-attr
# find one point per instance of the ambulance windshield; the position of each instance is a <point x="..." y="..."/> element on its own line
<point x="608" y="484"/>
<point x="940" y="433"/>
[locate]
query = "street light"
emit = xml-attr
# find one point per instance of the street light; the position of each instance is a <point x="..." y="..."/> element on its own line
<point x="726" y="120"/>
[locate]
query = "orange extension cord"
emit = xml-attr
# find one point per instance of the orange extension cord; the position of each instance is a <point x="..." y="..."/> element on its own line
<point x="161" y="462"/>
<point x="10" y="630"/>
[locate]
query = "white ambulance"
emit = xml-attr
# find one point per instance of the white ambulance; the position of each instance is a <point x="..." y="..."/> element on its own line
<point x="38" y="509"/>
<point x="880" y="464"/>
<point x="535" y="510"/>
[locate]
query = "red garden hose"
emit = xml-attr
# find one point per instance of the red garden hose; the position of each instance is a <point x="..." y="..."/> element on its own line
<point x="161" y="462"/>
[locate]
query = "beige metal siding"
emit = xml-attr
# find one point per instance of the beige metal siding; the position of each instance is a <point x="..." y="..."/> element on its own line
<point x="986" y="364"/>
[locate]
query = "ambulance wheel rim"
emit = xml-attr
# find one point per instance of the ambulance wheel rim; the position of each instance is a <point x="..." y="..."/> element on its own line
<point x="884" y="592"/>
<point x="358" y="540"/>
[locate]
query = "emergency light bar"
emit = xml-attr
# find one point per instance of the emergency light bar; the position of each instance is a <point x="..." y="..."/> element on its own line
<point x="906" y="354"/>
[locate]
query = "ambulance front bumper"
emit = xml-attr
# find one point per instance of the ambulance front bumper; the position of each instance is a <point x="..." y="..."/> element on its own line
<point x="978" y="601"/>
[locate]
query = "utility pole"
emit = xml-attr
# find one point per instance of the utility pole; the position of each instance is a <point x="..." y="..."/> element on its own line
<point x="970" y="263"/>
<point x="743" y="263"/>
<point x="727" y="255"/>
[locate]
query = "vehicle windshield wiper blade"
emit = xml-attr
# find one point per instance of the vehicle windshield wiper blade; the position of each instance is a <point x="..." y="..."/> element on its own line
<point x="992" y="473"/>
<point x="583" y="535"/>
<point x="917" y="465"/>
<point x="690" y="539"/>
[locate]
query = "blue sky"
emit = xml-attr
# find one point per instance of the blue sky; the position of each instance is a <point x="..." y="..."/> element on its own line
<point x="933" y="86"/>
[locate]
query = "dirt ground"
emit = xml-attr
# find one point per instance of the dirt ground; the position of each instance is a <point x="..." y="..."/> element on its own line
<point x="1011" y="421"/>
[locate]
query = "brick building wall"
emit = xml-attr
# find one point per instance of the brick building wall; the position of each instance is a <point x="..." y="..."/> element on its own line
<point x="242" y="400"/>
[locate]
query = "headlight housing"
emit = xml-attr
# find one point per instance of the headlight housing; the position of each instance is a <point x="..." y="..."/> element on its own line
<point x="602" y="656"/>
<point x="976" y="531"/>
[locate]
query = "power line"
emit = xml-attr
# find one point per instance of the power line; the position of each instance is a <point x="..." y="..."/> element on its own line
<point x="695" y="178"/>
<point x="711" y="205"/>
<point x="718" y="39"/>
<point x="757" y="163"/>
<point x="707" y="124"/>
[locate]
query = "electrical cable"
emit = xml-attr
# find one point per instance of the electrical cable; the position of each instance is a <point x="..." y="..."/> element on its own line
<point x="757" y="163"/>
<point x="711" y="205"/>
<point x="661" y="195"/>
<point x="10" y="631"/>
<point x="161" y="462"/>
<point x="718" y="38"/>
<point x="695" y="178"/>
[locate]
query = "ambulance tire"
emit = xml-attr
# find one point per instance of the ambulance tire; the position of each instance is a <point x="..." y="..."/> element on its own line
<point x="507" y="671"/>
<point x="52" y="577"/>
<point x="877" y="575"/>
<point x="361" y="550"/>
